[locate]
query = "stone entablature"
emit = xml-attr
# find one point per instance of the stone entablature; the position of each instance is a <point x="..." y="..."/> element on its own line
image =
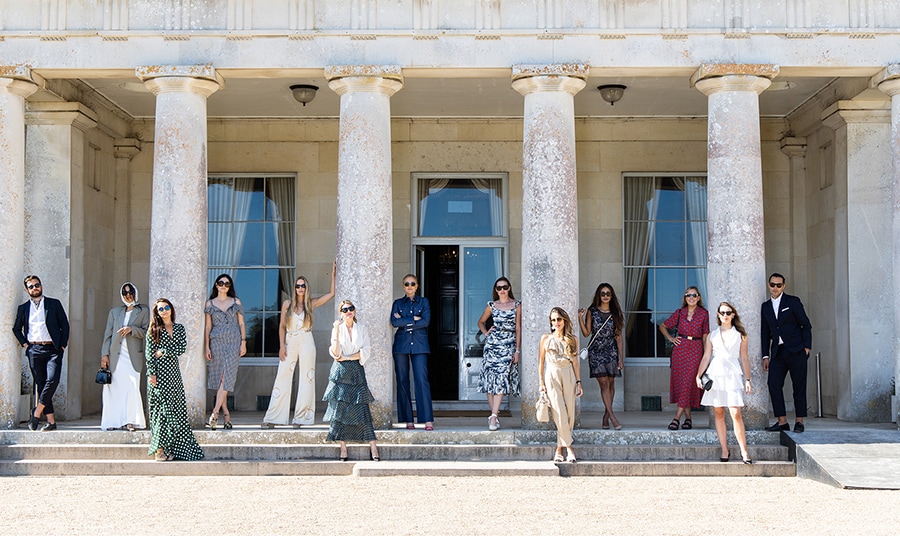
<point x="55" y="16"/>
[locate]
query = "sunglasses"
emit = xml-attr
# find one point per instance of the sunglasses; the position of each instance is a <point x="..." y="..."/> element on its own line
<point x="35" y="285"/>
<point x="776" y="285"/>
<point x="502" y="287"/>
<point x="300" y="285"/>
<point x="223" y="283"/>
<point x="557" y="319"/>
<point x="692" y="295"/>
<point x="127" y="293"/>
<point x="348" y="309"/>
<point x="162" y="308"/>
<point x="605" y="294"/>
<point x="726" y="313"/>
<point x="410" y="284"/>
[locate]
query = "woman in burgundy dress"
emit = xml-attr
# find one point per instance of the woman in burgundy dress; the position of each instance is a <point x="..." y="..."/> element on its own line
<point x="691" y="325"/>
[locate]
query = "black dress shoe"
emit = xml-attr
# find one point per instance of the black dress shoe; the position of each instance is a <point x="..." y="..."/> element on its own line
<point x="48" y="427"/>
<point x="779" y="427"/>
<point x="798" y="427"/>
<point x="33" y="423"/>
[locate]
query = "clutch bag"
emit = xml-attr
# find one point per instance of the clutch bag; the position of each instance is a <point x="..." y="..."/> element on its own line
<point x="104" y="376"/>
<point x="706" y="381"/>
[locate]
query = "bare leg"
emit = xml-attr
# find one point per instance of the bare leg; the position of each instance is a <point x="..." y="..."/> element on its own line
<point x="721" y="431"/>
<point x="605" y="409"/>
<point x="740" y="431"/>
<point x="343" y="449"/>
<point x="373" y="449"/>
<point x="608" y="393"/>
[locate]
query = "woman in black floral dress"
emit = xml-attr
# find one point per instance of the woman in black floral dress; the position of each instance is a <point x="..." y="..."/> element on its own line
<point x="171" y="437"/>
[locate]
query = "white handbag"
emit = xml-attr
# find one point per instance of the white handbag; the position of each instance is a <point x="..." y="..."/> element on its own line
<point x="542" y="408"/>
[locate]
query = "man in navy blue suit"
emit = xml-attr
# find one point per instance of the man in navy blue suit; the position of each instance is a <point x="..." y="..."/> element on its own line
<point x="786" y="338"/>
<point x="43" y="330"/>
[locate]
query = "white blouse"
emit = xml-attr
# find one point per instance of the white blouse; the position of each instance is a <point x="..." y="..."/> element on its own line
<point x="351" y="343"/>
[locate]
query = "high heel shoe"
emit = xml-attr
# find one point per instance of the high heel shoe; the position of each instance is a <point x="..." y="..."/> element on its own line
<point x="747" y="460"/>
<point x="493" y="422"/>
<point x="228" y="425"/>
<point x="213" y="421"/>
<point x="344" y="457"/>
<point x="725" y="459"/>
<point x="374" y="457"/>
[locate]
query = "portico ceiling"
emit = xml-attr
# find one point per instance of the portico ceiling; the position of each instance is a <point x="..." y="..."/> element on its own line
<point x="482" y="96"/>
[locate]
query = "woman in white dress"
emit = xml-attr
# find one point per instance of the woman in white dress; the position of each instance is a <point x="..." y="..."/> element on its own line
<point x="725" y="361"/>
<point x="123" y="353"/>
<point x="296" y="345"/>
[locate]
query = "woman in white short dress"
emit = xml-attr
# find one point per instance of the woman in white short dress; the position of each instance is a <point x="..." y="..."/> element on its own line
<point x="725" y="361"/>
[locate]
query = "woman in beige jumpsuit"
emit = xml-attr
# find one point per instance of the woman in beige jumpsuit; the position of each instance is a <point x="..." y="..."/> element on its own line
<point x="560" y="378"/>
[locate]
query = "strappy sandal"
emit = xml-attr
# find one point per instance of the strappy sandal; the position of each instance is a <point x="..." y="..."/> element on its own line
<point x="160" y="456"/>
<point x="687" y="424"/>
<point x="213" y="421"/>
<point x="227" y="425"/>
<point x="674" y="424"/>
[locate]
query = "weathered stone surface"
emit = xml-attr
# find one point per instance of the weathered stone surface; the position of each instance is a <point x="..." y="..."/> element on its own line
<point x="178" y="240"/>
<point x="13" y="92"/>
<point x="549" y="219"/>
<point x="364" y="219"/>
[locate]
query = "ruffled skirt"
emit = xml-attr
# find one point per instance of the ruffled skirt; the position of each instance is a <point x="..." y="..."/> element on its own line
<point x="348" y="398"/>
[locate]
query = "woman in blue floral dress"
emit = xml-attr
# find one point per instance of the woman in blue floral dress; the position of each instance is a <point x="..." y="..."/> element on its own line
<point x="500" y="366"/>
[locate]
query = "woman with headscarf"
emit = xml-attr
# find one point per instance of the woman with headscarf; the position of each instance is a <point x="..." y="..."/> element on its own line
<point x="123" y="354"/>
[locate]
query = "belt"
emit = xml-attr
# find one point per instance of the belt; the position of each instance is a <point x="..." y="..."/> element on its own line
<point x="42" y="343"/>
<point x="692" y="338"/>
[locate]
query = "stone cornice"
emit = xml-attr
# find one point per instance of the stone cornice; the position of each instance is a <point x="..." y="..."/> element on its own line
<point x="708" y="71"/>
<point x="61" y="113"/>
<point x="793" y="146"/>
<point x="843" y="112"/>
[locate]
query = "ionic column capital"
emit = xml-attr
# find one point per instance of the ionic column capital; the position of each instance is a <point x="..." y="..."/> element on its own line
<point x="716" y="77"/>
<point x="793" y="147"/>
<point x="386" y="79"/>
<point x="19" y="80"/>
<point x="888" y="80"/>
<point x="200" y="79"/>
<point x="61" y="113"/>
<point x="127" y="148"/>
<point x="567" y="77"/>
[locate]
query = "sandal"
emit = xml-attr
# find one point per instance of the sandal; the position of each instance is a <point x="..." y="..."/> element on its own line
<point x="674" y="424"/>
<point x="687" y="424"/>
<point x="129" y="427"/>
<point x="160" y="456"/>
<point x="558" y="458"/>
<point x="228" y="425"/>
<point x="213" y="421"/>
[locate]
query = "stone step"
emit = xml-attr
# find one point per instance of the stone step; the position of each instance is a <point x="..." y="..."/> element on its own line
<point x="408" y="452"/>
<point x="683" y="468"/>
<point x="149" y="467"/>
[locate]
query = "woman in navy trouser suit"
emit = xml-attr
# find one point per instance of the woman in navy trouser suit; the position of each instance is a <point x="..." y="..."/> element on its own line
<point x="411" y="315"/>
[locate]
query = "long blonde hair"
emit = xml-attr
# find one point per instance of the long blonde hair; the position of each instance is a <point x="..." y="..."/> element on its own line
<point x="567" y="335"/>
<point x="305" y="306"/>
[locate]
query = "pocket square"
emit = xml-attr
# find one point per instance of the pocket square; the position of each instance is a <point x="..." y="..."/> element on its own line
<point x="785" y="309"/>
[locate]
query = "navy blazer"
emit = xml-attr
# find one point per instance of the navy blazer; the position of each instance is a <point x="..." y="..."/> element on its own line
<point x="412" y="335"/>
<point x="57" y="322"/>
<point x="792" y="325"/>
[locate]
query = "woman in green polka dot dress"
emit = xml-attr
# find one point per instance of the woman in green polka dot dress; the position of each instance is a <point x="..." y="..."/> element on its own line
<point x="171" y="437"/>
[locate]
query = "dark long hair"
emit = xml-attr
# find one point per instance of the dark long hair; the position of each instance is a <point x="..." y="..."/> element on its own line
<point x="215" y="293"/>
<point x="567" y="335"/>
<point x="494" y="288"/>
<point x="615" y="309"/>
<point x="736" y="321"/>
<point x="156" y="321"/>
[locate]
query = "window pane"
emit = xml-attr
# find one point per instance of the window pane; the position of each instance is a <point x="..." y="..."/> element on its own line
<point x="637" y="243"/>
<point x="460" y="207"/>
<point x="695" y="196"/>
<point x="670" y="285"/>
<point x="270" y="241"/>
<point x="254" y="323"/>
<point x="669" y="244"/>
<point x="639" y="198"/>
<point x="249" y="244"/>
<point x="249" y="201"/>
<point x="639" y="335"/>
<point x="671" y="199"/>
<point x="218" y="198"/>
<point x="280" y="199"/>
<point x="636" y="290"/>
<point x="696" y="243"/>
<point x="219" y="244"/>
<point x="270" y="323"/>
<point x="272" y="290"/>
<point x="248" y="285"/>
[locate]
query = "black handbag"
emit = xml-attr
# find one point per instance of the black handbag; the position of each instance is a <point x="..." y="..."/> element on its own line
<point x="104" y="376"/>
<point x="706" y="381"/>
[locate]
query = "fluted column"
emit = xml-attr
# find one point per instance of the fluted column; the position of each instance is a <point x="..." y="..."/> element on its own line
<point x="736" y="267"/>
<point x="549" y="211"/>
<point x="16" y="84"/>
<point x="178" y="225"/>
<point x="55" y="145"/>
<point x="862" y="261"/>
<point x="364" y="220"/>
<point x="889" y="82"/>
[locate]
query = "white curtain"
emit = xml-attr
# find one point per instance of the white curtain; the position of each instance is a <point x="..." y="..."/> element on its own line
<point x="491" y="187"/>
<point x="243" y="197"/>
<point x="219" y="195"/>
<point x="281" y="192"/>
<point x="640" y="204"/>
<point x="694" y="189"/>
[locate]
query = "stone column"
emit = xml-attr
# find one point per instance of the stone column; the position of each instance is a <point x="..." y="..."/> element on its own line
<point x="125" y="150"/>
<point x="178" y="237"/>
<point x="364" y="219"/>
<point x="549" y="211"/>
<point x="736" y="230"/>
<point x="54" y="223"/>
<point x="889" y="82"/>
<point x="16" y="84"/>
<point x="862" y="261"/>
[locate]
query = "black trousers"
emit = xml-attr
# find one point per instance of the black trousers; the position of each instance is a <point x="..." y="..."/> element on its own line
<point x="46" y="366"/>
<point x="782" y="363"/>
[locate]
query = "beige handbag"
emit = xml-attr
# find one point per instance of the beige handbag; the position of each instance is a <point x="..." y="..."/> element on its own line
<point x="542" y="408"/>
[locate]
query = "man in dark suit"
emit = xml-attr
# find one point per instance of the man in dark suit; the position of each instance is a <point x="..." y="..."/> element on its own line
<point x="43" y="330"/>
<point x="786" y="337"/>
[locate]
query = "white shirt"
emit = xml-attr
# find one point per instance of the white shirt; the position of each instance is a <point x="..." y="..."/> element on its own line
<point x="350" y="343"/>
<point x="37" y="322"/>
<point x="776" y="305"/>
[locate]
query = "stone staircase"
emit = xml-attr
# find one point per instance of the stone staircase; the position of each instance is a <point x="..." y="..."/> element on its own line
<point x="449" y="452"/>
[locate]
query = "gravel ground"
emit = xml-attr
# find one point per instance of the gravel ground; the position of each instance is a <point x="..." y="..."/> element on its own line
<point x="435" y="505"/>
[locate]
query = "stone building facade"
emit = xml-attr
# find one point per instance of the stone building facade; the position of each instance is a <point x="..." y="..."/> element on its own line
<point x="148" y="140"/>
